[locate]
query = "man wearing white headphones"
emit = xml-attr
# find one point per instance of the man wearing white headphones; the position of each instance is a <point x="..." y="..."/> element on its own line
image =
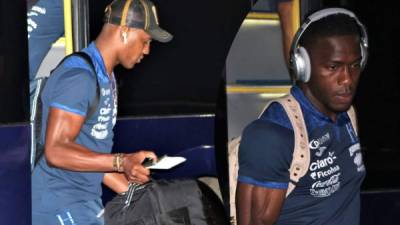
<point x="66" y="182"/>
<point x="328" y="54"/>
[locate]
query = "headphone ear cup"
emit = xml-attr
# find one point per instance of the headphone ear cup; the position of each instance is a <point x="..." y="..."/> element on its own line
<point x="302" y="65"/>
<point x="364" y="56"/>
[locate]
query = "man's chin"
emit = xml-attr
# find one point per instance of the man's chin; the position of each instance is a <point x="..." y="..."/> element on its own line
<point x="342" y="107"/>
<point x="343" y="103"/>
<point x="130" y="66"/>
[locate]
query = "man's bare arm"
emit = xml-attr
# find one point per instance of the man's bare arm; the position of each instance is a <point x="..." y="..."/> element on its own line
<point x="285" y="11"/>
<point x="116" y="182"/>
<point x="62" y="151"/>
<point x="258" y="205"/>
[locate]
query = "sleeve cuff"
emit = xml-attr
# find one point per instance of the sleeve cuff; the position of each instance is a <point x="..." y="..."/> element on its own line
<point x="267" y="184"/>
<point x="68" y="109"/>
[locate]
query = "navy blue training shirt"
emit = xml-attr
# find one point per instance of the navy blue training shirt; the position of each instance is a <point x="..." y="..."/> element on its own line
<point x="72" y="88"/>
<point x="329" y="194"/>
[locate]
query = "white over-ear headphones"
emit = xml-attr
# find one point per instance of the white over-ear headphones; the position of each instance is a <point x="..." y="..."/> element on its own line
<point x="125" y="37"/>
<point x="299" y="58"/>
<point x="124" y="34"/>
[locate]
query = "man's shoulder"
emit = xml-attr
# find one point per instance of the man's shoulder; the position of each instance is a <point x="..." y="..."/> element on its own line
<point x="77" y="62"/>
<point x="275" y="113"/>
<point x="68" y="80"/>
<point x="262" y="130"/>
<point x="262" y="140"/>
<point x="72" y="74"/>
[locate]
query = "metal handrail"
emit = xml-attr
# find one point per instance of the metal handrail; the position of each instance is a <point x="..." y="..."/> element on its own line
<point x="80" y="24"/>
<point x="68" y="27"/>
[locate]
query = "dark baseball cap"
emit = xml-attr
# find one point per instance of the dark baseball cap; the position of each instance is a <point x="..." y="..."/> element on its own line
<point x="140" y="14"/>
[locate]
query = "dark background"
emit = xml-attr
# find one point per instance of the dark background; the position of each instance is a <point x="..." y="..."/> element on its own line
<point x="14" y="101"/>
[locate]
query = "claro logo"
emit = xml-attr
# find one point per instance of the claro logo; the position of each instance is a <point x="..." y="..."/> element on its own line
<point x="320" y="164"/>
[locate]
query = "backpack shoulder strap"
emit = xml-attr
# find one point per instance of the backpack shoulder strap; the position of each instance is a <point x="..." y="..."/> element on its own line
<point x="94" y="104"/>
<point x="301" y="152"/>
<point x="88" y="60"/>
<point x="233" y="169"/>
<point x="353" y="118"/>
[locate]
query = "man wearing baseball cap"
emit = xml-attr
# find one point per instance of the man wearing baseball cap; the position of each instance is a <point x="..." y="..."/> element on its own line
<point x="66" y="182"/>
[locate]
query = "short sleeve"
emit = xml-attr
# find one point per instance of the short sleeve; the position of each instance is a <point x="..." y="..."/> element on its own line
<point x="72" y="91"/>
<point x="265" y="154"/>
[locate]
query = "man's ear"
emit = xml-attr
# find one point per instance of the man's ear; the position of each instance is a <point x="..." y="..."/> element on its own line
<point x="124" y="34"/>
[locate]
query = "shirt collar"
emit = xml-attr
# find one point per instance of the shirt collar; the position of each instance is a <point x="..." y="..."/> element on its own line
<point x="308" y="107"/>
<point x="98" y="61"/>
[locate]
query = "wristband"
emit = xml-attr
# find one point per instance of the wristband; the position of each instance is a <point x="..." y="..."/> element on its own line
<point x="118" y="160"/>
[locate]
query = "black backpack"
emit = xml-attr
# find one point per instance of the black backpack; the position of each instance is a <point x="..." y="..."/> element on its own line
<point x="37" y="148"/>
<point x="167" y="202"/>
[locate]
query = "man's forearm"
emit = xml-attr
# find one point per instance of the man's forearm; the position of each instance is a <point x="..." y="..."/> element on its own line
<point x="258" y="205"/>
<point x="286" y="20"/>
<point x="75" y="157"/>
<point x="116" y="182"/>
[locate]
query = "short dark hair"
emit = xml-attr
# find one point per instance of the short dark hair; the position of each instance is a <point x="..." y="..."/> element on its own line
<point x="334" y="25"/>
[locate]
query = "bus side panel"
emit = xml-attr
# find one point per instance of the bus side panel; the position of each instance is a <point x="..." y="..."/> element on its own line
<point x="15" y="175"/>
<point x="189" y="136"/>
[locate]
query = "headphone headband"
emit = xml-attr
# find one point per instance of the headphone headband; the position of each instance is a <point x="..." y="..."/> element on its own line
<point x="297" y="67"/>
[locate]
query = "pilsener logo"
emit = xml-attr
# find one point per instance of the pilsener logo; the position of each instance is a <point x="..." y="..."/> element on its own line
<point x="316" y="144"/>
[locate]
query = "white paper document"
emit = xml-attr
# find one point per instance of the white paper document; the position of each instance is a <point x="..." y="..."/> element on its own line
<point x="167" y="162"/>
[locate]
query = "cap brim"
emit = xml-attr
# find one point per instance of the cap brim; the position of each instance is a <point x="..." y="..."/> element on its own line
<point x="160" y="35"/>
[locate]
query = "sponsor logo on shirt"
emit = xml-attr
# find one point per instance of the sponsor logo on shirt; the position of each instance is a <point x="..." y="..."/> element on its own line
<point x="107" y="114"/>
<point x="325" y="192"/>
<point x="326" y="175"/>
<point x="322" y="163"/>
<point x="317" y="144"/>
<point x="326" y="183"/>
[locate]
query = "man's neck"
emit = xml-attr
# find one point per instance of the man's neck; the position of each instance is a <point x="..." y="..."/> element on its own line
<point x="107" y="54"/>
<point x="316" y="103"/>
